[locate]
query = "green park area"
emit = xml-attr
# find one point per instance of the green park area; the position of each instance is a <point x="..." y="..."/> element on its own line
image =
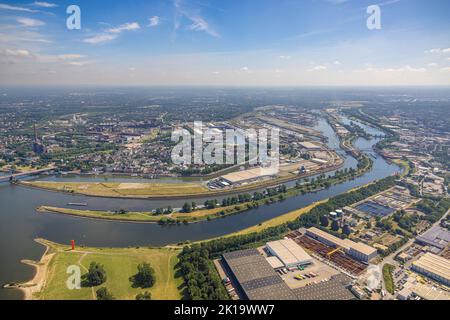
<point x="119" y="265"/>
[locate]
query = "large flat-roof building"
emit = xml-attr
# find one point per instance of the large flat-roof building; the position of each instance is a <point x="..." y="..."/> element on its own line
<point x="357" y="250"/>
<point x="436" y="238"/>
<point x="249" y="175"/>
<point x="434" y="267"/>
<point x="333" y="289"/>
<point x="256" y="277"/>
<point x="289" y="253"/>
<point x="311" y="146"/>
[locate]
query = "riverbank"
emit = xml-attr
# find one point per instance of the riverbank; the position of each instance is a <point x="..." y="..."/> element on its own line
<point x="35" y="285"/>
<point x="283" y="219"/>
<point x="161" y="191"/>
<point x="214" y="213"/>
<point x="150" y="217"/>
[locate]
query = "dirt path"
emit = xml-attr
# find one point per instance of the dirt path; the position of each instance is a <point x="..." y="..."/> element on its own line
<point x="80" y="263"/>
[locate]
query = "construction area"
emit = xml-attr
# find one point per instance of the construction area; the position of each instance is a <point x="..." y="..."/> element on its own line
<point x="334" y="256"/>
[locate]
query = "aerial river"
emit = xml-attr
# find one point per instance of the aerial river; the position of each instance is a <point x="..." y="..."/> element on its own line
<point x="20" y="224"/>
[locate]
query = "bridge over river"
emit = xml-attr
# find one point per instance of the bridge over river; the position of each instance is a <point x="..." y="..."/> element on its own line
<point x="15" y="176"/>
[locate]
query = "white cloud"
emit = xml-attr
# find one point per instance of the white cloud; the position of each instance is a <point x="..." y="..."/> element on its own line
<point x="17" y="37"/>
<point x="44" y="4"/>
<point x="285" y="57"/>
<point x="112" y="33"/>
<point x="154" y="21"/>
<point x="244" y="69"/>
<point x="19" y="56"/>
<point x="432" y="65"/>
<point x="70" y="56"/>
<point x="77" y="63"/>
<point x="318" y="68"/>
<point x="129" y="26"/>
<point x="447" y="69"/>
<point x="132" y="69"/>
<point x="406" y="68"/>
<point x="198" y="23"/>
<point x="100" y="38"/>
<point x="337" y="63"/>
<point x="28" y="22"/>
<point x="438" y="50"/>
<point x="4" y="6"/>
<point x="17" y="53"/>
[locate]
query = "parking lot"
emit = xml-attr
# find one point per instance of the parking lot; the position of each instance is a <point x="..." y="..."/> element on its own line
<point x="313" y="274"/>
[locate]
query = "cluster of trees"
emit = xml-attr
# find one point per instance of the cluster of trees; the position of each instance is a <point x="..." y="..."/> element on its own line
<point x="201" y="279"/>
<point x="242" y="198"/>
<point x="235" y="200"/>
<point x="193" y="171"/>
<point x="210" y="204"/>
<point x="405" y="221"/>
<point x="144" y="278"/>
<point x="395" y="246"/>
<point x="96" y="276"/>
<point x="200" y="276"/>
<point x="434" y="210"/>
<point x="104" y="294"/>
<point x="358" y="130"/>
<point x="144" y="296"/>
<point x="161" y="211"/>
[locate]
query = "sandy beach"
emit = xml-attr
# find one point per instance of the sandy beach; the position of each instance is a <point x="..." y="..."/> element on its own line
<point x="35" y="285"/>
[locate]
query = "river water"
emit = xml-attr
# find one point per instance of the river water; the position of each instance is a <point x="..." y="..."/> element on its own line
<point x="20" y="223"/>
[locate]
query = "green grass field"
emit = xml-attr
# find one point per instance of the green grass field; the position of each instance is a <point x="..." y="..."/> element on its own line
<point x="387" y="276"/>
<point x="120" y="265"/>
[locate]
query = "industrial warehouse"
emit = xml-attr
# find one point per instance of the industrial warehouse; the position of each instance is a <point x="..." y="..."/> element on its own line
<point x="288" y="253"/>
<point x="256" y="278"/>
<point x="357" y="250"/>
<point x="242" y="177"/>
<point x="436" y="238"/>
<point x="434" y="267"/>
<point x="282" y="270"/>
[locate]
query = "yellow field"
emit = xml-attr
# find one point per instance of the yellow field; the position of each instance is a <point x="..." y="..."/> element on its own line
<point x="120" y="265"/>
<point x="107" y="189"/>
<point x="290" y="216"/>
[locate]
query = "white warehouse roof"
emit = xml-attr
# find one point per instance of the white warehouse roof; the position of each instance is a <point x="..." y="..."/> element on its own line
<point x="289" y="252"/>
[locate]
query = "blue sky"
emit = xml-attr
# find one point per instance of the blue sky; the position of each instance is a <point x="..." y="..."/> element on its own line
<point x="232" y="42"/>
